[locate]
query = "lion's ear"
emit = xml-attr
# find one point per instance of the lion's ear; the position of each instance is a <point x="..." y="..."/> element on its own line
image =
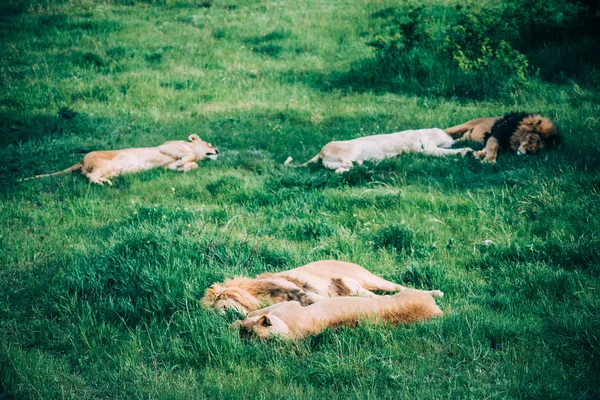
<point x="216" y="289"/>
<point x="193" y="137"/>
<point x="265" y="321"/>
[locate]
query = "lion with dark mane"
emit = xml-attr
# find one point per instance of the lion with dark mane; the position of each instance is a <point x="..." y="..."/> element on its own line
<point x="521" y="132"/>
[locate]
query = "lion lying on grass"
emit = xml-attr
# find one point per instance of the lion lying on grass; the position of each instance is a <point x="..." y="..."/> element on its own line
<point x="341" y="155"/>
<point x="177" y="155"/>
<point x="306" y="285"/>
<point x="521" y="132"/>
<point x="290" y="320"/>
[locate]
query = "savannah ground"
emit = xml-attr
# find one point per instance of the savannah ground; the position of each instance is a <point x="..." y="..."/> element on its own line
<point x="100" y="286"/>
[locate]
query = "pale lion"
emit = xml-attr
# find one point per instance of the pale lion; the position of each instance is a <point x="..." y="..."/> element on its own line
<point x="342" y="155"/>
<point x="177" y="155"/>
<point x="290" y="320"/>
<point x="306" y="285"/>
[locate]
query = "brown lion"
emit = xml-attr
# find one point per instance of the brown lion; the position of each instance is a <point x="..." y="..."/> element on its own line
<point x="521" y="132"/>
<point x="177" y="155"/>
<point x="290" y="320"/>
<point x="306" y="285"/>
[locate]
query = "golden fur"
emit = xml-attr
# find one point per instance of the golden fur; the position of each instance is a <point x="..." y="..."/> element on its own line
<point x="306" y="285"/>
<point x="521" y="132"/>
<point x="290" y="320"/>
<point x="177" y="155"/>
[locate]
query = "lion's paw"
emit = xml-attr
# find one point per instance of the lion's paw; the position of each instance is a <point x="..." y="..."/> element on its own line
<point x="467" y="152"/>
<point x="480" y="154"/>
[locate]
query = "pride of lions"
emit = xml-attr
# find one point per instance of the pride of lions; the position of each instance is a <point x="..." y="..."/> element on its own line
<point x="325" y="294"/>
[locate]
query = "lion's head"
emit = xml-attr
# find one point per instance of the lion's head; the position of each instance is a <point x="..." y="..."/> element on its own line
<point x="262" y="326"/>
<point x="533" y="134"/>
<point x="203" y="149"/>
<point x="221" y="298"/>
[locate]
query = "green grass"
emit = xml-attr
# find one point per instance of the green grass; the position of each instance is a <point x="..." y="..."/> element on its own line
<point x="100" y="286"/>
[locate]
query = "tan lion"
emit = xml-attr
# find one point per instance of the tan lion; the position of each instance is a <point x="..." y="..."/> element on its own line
<point x="342" y="155"/>
<point x="521" y="132"/>
<point x="291" y="321"/>
<point x="177" y="155"/>
<point x="306" y="285"/>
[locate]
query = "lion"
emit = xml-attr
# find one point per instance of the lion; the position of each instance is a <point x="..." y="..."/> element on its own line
<point x="177" y="155"/>
<point x="291" y="321"/>
<point x="341" y="155"/>
<point x="306" y="285"/>
<point x="522" y="132"/>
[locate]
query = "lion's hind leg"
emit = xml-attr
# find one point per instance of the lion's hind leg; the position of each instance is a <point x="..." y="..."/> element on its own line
<point x="337" y="163"/>
<point x="374" y="282"/>
<point x="354" y="288"/>
<point x="98" y="177"/>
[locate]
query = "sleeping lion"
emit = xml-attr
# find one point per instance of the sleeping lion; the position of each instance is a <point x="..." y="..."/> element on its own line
<point x="291" y="321"/>
<point x="306" y="285"/>
<point x="341" y="155"/>
<point x="521" y="132"/>
<point x="177" y="155"/>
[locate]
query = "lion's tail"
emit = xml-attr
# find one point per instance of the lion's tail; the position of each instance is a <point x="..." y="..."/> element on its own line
<point x="75" y="167"/>
<point x="312" y="160"/>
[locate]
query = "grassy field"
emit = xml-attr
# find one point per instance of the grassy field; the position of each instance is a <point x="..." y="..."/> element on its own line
<point x="100" y="286"/>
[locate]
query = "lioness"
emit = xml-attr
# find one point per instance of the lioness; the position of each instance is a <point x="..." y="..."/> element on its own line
<point x="341" y="155"/>
<point x="290" y="320"/>
<point x="521" y="132"/>
<point x="307" y="284"/>
<point x="177" y="155"/>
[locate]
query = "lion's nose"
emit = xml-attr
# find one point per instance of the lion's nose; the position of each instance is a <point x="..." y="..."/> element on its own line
<point x="216" y="151"/>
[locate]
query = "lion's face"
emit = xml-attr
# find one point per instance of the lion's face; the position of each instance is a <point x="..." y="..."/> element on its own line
<point x="535" y="133"/>
<point x="203" y="149"/>
<point x="222" y="298"/>
<point x="530" y="144"/>
<point x="222" y="304"/>
<point x="262" y="326"/>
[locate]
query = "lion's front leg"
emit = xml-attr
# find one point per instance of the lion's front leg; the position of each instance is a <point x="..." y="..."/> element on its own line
<point x="178" y="166"/>
<point x="490" y="152"/>
<point x="186" y="160"/>
<point x="189" y="166"/>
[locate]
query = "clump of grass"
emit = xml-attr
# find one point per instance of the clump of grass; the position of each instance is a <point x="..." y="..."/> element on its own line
<point x="397" y="237"/>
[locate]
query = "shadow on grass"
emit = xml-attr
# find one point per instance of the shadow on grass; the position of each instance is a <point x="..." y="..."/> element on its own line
<point x="18" y="127"/>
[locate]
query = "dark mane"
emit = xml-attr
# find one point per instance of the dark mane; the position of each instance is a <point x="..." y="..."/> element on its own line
<point x="338" y="286"/>
<point x="280" y="293"/>
<point x="503" y="129"/>
<point x="301" y="284"/>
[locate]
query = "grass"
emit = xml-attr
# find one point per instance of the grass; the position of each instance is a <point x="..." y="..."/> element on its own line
<point x="100" y="286"/>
